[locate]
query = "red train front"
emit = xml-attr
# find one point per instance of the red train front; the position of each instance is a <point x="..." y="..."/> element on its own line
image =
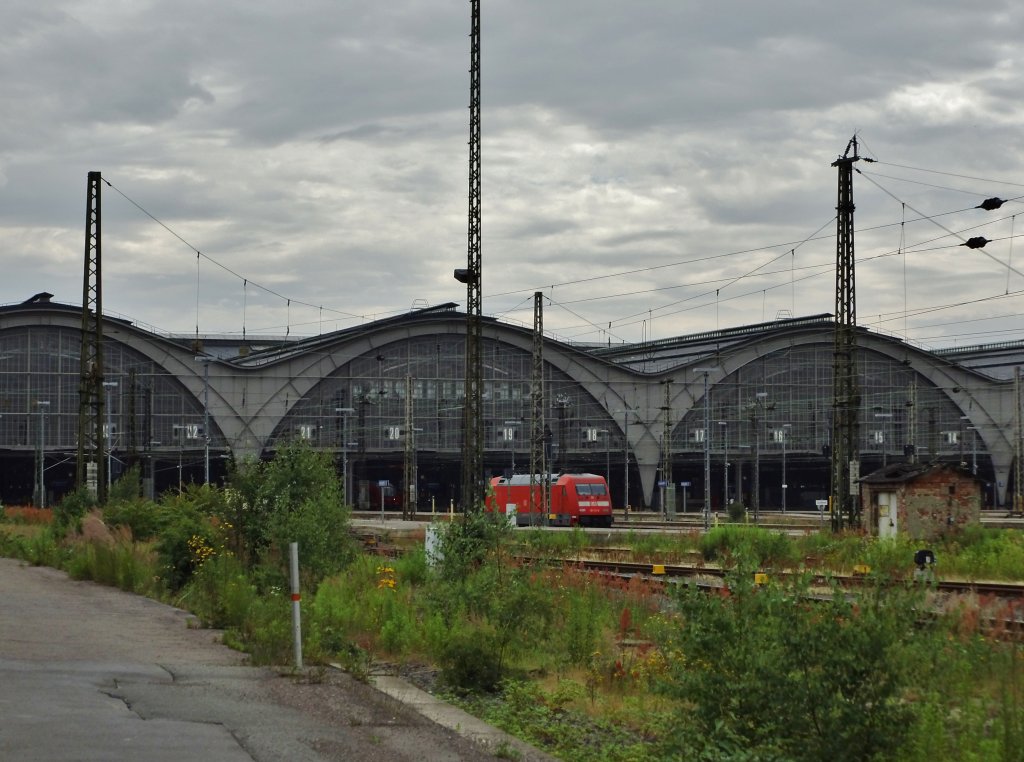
<point x="575" y="499"/>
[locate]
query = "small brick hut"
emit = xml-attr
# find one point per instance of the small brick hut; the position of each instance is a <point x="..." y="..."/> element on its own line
<point x="919" y="500"/>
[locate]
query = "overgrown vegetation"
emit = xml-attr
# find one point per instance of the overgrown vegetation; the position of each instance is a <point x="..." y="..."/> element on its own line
<point x="588" y="667"/>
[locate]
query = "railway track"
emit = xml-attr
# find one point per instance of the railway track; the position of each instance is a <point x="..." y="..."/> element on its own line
<point x="648" y="521"/>
<point x="1000" y="604"/>
<point x="1009" y="590"/>
<point x="1003" y="602"/>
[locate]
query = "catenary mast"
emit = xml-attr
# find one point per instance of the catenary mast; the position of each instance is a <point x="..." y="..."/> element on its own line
<point x="473" y="429"/>
<point x="845" y="440"/>
<point x="91" y="465"/>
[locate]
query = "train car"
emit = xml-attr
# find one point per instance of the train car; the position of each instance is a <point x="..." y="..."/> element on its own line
<point x="576" y="499"/>
<point x="375" y="496"/>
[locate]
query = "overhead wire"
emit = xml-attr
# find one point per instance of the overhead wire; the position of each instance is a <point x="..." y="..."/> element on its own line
<point x="222" y="266"/>
<point x="950" y="174"/>
<point x="937" y="224"/>
<point x="630" y="319"/>
<point x="813" y="237"/>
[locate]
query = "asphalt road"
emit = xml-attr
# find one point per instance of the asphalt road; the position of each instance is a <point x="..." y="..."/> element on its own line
<point x="92" y="673"/>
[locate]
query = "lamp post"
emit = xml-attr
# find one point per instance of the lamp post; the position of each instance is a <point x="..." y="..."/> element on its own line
<point x="206" y="417"/>
<point x="884" y="417"/>
<point x="785" y="435"/>
<point x="43" y="406"/>
<point x="344" y="448"/>
<point x="725" y="463"/>
<point x="511" y="431"/>
<point x="412" y="484"/>
<point x="607" y="461"/>
<point x="149" y="486"/>
<point x="746" y="453"/>
<point x="707" y="448"/>
<point x="179" y="432"/>
<point x="625" y="451"/>
<point x="759" y="402"/>
<point x="963" y="419"/>
<point x="109" y="438"/>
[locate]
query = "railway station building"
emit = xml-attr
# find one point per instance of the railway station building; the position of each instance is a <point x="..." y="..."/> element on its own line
<point x="750" y="406"/>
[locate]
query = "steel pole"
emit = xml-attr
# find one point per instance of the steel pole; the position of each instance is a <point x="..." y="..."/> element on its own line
<point x="707" y="456"/>
<point x="725" y="463"/>
<point x="42" y="454"/>
<point x="206" y="421"/>
<point x="344" y="457"/>
<point x="625" y="449"/>
<point x="110" y="445"/>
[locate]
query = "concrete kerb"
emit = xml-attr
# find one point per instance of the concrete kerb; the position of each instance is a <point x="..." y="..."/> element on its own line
<point x="451" y="717"/>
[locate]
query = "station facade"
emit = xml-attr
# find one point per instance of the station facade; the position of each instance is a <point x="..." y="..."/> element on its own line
<point x="181" y="407"/>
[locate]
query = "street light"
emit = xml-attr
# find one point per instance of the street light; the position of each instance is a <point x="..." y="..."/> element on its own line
<point x="759" y="402"/>
<point x="511" y="424"/>
<point x="746" y="453"/>
<point x="412" y="483"/>
<point x="885" y="439"/>
<point x="344" y="448"/>
<point x="625" y="452"/>
<point x="109" y="438"/>
<point x="43" y="406"/>
<point x="607" y="461"/>
<point x="148" y="484"/>
<point x="961" y="438"/>
<point x="179" y="430"/>
<point x="785" y="436"/>
<point x="725" y="463"/>
<point x="206" y="417"/>
<point x="707" y="448"/>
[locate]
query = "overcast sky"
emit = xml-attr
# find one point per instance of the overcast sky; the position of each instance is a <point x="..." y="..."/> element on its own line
<point x="656" y="167"/>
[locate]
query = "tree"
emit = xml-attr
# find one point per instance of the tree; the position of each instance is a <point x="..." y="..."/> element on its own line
<point x="298" y="498"/>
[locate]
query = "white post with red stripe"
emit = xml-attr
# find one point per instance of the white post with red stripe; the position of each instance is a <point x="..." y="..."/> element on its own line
<point x="293" y="553"/>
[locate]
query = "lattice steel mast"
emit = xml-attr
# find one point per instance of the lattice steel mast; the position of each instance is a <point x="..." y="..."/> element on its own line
<point x="845" y="505"/>
<point x="473" y="428"/>
<point x="91" y="468"/>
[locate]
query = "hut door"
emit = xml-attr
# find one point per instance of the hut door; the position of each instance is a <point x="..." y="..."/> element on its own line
<point x="886" y="514"/>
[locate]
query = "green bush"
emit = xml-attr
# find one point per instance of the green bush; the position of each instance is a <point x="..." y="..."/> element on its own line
<point x="468" y="543"/>
<point x="13" y="546"/>
<point x="187" y="532"/>
<point x="984" y="553"/>
<point x="219" y="592"/>
<point x="69" y="512"/>
<point x="296" y="497"/>
<point x="812" y="680"/>
<point x="267" y="630"/>
<point x="126" y="489"/>
<point x="45" y="549"/>
<point x="736" y="511"/>
<point x="144" y="518"/>
<point x="758" y="547"/>
<point x="585" y="620"/>
<point x="470" y="663"/>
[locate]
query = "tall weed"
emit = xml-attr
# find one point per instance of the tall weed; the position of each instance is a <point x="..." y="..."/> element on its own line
<point x="122" y="564"/>
<point x="220" y="593"/>
<point x="729" y="543"/>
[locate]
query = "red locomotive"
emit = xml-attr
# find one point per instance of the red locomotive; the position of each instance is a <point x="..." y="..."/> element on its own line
<point x="576" y="499"/>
